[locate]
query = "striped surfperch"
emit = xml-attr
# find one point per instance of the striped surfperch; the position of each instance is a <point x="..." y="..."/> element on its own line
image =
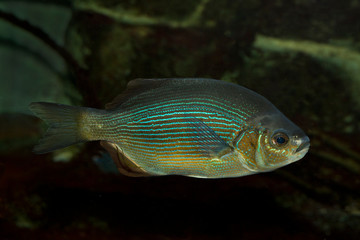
<point x="193" y="127"/>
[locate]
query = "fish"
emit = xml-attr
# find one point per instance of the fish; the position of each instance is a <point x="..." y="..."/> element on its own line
<point x="195" y="127"/>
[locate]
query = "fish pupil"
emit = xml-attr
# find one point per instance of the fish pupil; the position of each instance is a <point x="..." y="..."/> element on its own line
<point x="280" y="140"/>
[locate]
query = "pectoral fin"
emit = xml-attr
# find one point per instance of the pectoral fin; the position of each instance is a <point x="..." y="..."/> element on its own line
<point x="211" y="144"/>
<point x="124" y="164"/>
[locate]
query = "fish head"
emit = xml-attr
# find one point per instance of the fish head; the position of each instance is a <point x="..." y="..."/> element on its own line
<point x="280" y="142"/>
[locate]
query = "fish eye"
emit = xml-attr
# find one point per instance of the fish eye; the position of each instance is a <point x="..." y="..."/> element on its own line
<point x="279" y="139"/>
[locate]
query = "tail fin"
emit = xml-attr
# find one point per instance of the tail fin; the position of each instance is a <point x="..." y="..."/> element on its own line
<point x="63" y="125"/>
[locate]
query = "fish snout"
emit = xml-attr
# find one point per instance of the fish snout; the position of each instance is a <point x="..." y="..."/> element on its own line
<point x="304" y="144"/>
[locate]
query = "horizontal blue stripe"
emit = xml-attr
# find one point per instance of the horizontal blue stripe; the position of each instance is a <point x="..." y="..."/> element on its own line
<point x="172" y="103"/>
<point x="161" y="145"/>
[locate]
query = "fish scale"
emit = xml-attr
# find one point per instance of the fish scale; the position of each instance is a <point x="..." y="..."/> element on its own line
<point x="168" y="112"/>
<point x="194" y="127"/>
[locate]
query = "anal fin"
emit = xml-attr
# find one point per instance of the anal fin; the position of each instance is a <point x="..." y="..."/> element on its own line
<point x="124" y="164"/>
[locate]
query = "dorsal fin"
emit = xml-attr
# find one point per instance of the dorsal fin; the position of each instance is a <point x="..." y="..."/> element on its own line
<point x="141" y="85"/>
<point x="133" y="88"/>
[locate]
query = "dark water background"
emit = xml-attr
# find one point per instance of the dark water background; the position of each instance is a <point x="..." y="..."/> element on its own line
<point x="303" y="55"/>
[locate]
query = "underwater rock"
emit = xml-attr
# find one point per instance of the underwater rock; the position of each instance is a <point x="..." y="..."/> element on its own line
<point x="345" y="59"/>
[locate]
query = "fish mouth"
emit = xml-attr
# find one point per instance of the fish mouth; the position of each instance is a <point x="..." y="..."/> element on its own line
<point x="304" y="145"/>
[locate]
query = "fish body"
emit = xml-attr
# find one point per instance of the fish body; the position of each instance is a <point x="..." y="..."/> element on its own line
<point x="194" y="127"/>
